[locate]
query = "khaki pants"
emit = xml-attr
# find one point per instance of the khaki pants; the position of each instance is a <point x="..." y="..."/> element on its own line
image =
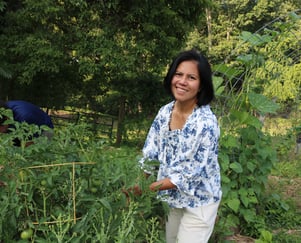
<point x="191" y="225"/>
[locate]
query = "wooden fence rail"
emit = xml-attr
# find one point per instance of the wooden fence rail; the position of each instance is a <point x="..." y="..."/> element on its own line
<point x="101" y="123"/>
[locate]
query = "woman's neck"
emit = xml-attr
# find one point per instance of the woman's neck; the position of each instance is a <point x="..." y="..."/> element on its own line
<point x="185" y="107"/>
<point x="181" y="112"/>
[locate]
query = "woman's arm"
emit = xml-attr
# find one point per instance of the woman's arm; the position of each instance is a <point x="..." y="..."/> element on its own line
<point x="163" y="184"/>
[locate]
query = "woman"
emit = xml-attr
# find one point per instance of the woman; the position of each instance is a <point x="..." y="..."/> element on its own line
<point x="184" y="139"/>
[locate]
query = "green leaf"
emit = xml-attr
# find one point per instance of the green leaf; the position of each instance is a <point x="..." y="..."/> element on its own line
<point x="265" y="237"/>
<point x="229" y="72"/>
<point x="224" y="159"/>
<point x="254" y="121"/>
<point x="225" y="179"/>
<point x="217" y="81"/>
<point x="241" y="116"/>
<point x="255" y="39"/>
<point x="251" y="165"/>
<point x="218" y="87"/>
<point x="234" y="204"/>
<point x="230" y="141"/>
<point x="247" y="196"/>
<point x="244" y="117"/>
<point x="293" y="16"/>
<point x="262" y="103"/>
<point x="251" y="59"/>
<point x="246" y="58"/>
<point x="236" y="167"/>
<point x="106" y="204"/>
<point x="249" y="215"/>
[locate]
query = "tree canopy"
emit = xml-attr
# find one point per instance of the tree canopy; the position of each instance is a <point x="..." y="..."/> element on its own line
<point x="78" y="52"/>
<point x="110" y="56"/>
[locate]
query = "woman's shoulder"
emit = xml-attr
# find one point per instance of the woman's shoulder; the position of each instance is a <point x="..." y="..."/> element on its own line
<point x="205" y="112"/>
<point x="167" y="108"/>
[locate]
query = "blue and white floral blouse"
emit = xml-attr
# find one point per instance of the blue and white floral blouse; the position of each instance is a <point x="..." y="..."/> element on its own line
<point x="187" y="156"/>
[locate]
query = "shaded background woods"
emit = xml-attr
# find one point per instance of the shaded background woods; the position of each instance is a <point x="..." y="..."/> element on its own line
<point x="104" y="56"/>
<point x="110" y="56"/>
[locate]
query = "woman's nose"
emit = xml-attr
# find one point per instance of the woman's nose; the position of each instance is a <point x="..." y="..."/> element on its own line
<point x="183" y="80"/>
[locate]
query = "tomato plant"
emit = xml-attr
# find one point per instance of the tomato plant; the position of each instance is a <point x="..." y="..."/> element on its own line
<point x="70" y="189"/>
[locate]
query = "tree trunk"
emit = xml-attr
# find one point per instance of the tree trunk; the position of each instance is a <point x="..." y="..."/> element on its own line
<point x="209" y="28"/>
<point x="121" y="116"/>
<point x="229" y="29"/>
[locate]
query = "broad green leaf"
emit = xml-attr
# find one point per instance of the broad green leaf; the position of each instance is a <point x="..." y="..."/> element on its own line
<point x="223" y="159"/>
<point x="255" y="39"/>
<point x="262" y="103"/>
<point x="217" y="83"/>
<point x="293" y="16"/>
<point x="229" y="72"/>
<point x="234" y="204"/>
<point x="265" y="236"/>
<point x="244" y="117"/>
<point x="230" y="142"/>
<point x="225" y="179"/>
<point x="241" y="116"/>
<point x="247" y="58"/>
<point x="226" y="189"/>
<point x="251" y="165"/>
<point x="219" y="90"/>
<point x="245" y="201"/>
<point x="236" y="167"/>
<point x="267" y="152"/>
<point x="284" y="205"/>
<point x="247" y="196"/>
<point x="249" y="215"/>
<point x="251" y="59"/>
<point x="254" y="121"/>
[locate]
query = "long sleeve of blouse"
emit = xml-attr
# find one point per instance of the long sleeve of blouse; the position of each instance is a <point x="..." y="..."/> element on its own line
<point x="188" y="157"/>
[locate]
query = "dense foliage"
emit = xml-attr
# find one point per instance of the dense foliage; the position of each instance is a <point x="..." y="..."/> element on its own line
<point x="91" y="53"/>
<point x="247" y="154"/>
<point x="70" y="189"/>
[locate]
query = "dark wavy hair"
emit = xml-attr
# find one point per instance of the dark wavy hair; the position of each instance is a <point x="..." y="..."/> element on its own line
<point x="206" y="94"/>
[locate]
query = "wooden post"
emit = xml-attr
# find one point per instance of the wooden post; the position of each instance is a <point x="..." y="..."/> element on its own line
<point x="121" y="116"/>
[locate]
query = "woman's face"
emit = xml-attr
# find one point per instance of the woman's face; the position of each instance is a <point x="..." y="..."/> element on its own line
<point x="186" y="82"/>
